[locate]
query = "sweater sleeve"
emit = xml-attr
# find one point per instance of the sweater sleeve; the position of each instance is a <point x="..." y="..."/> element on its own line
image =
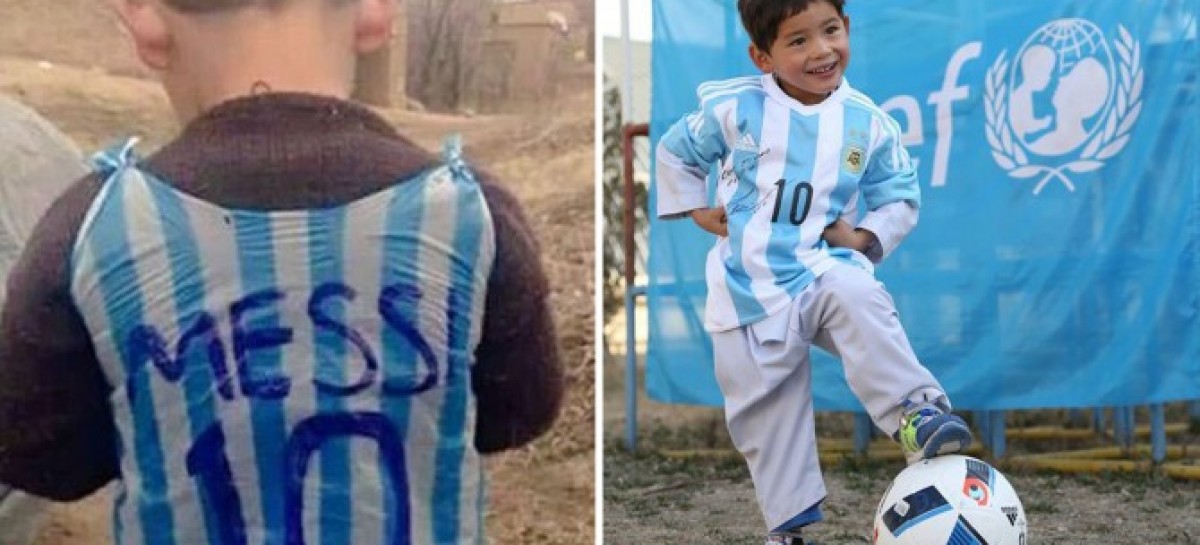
<point x="689" y="150"/>
<point x="57" y="437"/>
<point x="518" y="378"/>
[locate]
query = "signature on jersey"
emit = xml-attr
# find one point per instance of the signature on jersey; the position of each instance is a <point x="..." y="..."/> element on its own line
<point x="745" y="203"/>
<point x="729" y="173"/>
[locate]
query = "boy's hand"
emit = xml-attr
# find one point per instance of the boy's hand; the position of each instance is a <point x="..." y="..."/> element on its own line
<point x="712" y="220"/>
<point x="841" y="234"/>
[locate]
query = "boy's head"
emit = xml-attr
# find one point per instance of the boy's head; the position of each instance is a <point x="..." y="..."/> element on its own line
<point x="805" y="43"/>
<point x="207" y="51"/>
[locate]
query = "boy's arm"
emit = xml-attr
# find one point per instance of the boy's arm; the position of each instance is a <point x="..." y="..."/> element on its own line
<point x="57" y="438"/>
<point x="517" y="378"/>
<point x="890" y="190"/>
<point x="683" y="159"/>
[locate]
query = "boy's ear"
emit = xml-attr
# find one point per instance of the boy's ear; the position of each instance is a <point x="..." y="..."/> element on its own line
<point x="761" y="59"/>
<point x="145" y="24"/>
<point x="375" y="24"/>
<point x="846" y="23"/>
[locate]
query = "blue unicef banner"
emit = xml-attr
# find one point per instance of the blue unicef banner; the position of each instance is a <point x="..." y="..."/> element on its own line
<point x="1057" y="259"/>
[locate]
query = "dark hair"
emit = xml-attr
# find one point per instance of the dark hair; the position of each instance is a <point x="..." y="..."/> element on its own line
<point x="214" y="6"/>
<point x="762" y="18"/>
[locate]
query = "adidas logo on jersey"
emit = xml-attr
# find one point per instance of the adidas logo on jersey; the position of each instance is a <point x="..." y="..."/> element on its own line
<point x="745" y="142"/>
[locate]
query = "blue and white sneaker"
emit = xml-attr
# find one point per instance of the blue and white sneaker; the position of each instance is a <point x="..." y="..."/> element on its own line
<point x="928" y="430"/>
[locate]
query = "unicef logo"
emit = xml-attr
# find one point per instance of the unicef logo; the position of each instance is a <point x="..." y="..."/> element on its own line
<point x="1065" y="104"/>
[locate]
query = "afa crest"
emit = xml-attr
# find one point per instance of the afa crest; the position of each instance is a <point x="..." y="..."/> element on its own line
<point x="854" y="159"/>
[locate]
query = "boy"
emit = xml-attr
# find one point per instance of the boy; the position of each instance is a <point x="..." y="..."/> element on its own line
<point x="796" y="147"/>
<point x="290" y="324"/>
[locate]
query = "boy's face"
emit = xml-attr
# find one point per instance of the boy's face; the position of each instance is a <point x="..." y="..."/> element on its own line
<point x="809" y="54"/>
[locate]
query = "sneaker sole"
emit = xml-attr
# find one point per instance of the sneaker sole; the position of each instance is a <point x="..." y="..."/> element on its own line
<point x="951" y="438"/>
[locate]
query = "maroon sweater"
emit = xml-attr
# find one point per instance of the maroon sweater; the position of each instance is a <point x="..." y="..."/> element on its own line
<point x="268" y="152"/>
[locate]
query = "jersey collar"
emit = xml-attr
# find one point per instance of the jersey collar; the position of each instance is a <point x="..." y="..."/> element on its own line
<point x="777" y="93"/>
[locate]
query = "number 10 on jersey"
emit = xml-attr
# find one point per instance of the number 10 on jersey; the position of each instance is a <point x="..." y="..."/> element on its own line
<point x="795" y="197"/>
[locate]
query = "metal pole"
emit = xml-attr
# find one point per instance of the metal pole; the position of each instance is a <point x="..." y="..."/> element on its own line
<point x="1123" y="426"/>
<point x="996" y="429"/>
<point x="863" y="429"/>
<point x="983" y="421"/>
<point x="630" y="373"/>
<point x="1119" y="426"/>
<point x="628" y="221"/>
<point x="1158" y="433"/>
<point x="628" y="228"/>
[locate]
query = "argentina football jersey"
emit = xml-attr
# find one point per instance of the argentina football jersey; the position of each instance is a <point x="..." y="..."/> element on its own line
<point x="783" y="171"/>
<point x="333" y="344"/>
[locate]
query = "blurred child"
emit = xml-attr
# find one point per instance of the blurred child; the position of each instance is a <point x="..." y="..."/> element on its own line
<point x="39" y="162"/>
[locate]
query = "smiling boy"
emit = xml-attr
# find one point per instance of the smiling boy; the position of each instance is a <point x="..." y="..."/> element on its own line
<point x="796" y="150"/>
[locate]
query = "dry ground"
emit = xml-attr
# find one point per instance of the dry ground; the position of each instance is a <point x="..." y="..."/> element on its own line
<point x="653" y="498"/>
<point x="68" y="60"/>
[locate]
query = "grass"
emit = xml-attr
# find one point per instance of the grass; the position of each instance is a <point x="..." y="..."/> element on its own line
<point x="1040" y="506"/>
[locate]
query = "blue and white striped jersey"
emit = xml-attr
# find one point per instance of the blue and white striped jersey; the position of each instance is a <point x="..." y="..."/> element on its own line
<point x="783" y="171"/>
<point x="297" y="376"/>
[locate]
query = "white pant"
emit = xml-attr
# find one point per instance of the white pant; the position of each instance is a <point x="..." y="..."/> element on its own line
<point x="21" y="516"/>
<point x="764" y="374"/>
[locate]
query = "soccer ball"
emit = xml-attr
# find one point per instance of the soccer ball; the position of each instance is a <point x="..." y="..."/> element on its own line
<point x="954" y="500"/>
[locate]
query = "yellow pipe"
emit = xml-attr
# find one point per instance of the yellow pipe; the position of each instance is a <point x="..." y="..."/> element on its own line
<point x="890" y="450"/>
<point x="690" y="454"/>
<point x="1074" y="465"/>
<point x="1181" y="471"/>
<point x="1071" y="465"/>
<point x="1033" y="433"/>
<point x="826" y="454"/>
<point x="1144" y="430"/>
<point x="1065" y="462"/>
<point x="1058" y="432"/>
<point x="887" y="451"/>
<point x="1173" y="451"/>
<point x="1028" y="433"/>
<point x="831" y="458"/>
<point x="1049" y="432"/>
<point x="846" y="445"/>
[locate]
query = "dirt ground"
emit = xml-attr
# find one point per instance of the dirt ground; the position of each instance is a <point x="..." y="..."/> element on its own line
<point x="68" y="60"/>
<point x="650" y="497"/>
